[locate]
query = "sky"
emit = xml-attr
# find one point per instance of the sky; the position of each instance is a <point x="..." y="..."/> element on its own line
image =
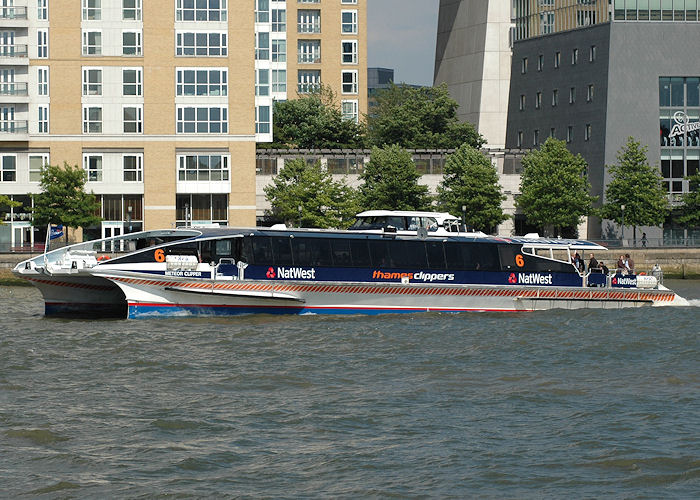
<point x="401" y="35"/>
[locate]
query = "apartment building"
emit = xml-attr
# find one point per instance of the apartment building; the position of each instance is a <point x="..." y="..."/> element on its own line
<point x="161" y="101"/>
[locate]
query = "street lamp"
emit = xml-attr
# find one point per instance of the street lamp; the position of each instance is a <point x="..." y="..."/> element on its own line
<point x="299" y="208"/>
<point x="622" y="237"/>
<point x="187" y="214"/>
<point x="464" y="216"/>
<point x="129" y="209"/>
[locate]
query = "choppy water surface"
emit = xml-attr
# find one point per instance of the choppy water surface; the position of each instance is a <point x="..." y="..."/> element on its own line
<point x="577" y="403"/>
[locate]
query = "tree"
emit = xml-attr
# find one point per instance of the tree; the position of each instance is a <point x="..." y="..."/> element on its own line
<point x="636" y="185"/>
<point x="689" y="212"/>
<point x="63" y="199"/>
<point x="424" y="117"/>
<point x="6" y="202"/>
<point x="554" y="190"/>
<point x="314" y="121"/>
<point x="390" y="182"/>
<point x="471" y="180"/>
<point x="324" y="203"/>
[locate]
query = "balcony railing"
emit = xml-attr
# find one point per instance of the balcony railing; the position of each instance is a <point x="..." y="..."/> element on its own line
<point x="13" y="127"/>
<point x="13" y="50"/>
<point x="14" y="88"/>
<point x="13" y="13"/>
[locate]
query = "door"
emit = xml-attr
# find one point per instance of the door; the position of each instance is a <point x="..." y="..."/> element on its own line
<point x="111" y="230"/>
<point x="21" y="234"/>
<point x="7" y="43"/>
<point x="7" y="81"/>
<point x="7" y="119"/>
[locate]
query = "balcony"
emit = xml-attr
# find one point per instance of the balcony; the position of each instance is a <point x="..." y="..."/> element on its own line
<point x="14" y="55"/>
<point x="13" y="17"/>
<point x="14" y="130"/>
<point x="13" y="92"/>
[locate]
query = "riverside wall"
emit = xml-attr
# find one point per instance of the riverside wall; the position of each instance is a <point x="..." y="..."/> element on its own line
<point x="675" y="262"/>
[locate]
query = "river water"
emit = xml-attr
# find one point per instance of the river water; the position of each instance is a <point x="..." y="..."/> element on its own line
<point x="547" y="404"/>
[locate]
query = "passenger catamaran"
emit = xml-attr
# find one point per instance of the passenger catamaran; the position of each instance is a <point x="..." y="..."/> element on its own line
<point x="387" y="262"/>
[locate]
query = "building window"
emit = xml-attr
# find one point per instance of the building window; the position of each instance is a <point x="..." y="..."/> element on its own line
<point x="92" y="120"/>
<point x="522" y="102"/>
<point x="308" y="21"/>
<point x="132" y="167"/>
<point x="308" y="81"/>
<point x="201" y="10"/>
<point x="202" y="82"/>
<point x="202" y="167"/>
<point x="523" y="66"/>
<point x="131" y="82"/>
<point x="93" y="166"/>
<point x="131" y="10"/>
<point x="592" y="54"/>
<point x="131" y="43"/>
<point x="201" y="44"/>
<point x="349" y="85"/>
<point x="42" y="47"/>
<point x="202" y="120"/>
<point x="92" y="43"/>
<point x="572" y="95"/>
<point x="133" y="119"/>
<point x="262" y="119"/>
<point x="574" y="57"/>
<point x="309" y="51"/>
<point x="92" y="81"/>
<point x="201" y="209"/>
<point x="350" y="110"/>
<point x="553" y="133"/>
<point x="354" y="2"/>
<point x="279" y="50"/>
<point x="279" y="20"/>
<point x="540" y="62"/>
<point x="92" y="10"/>
<point x="43" y="80"/>
<point x="348" y="22"/>
<point x="42" y="10"/>
<point x="279" y="80"/>
<point x="587" y="132"/>
<point x="520" y="138"/>
<point x="36" y="163"/>
<point x="262" y="46"/>
<point x="43" y="119"/>
<point x="349" y="52"/>
<point x="536" y="137"/>
<point x="9" y="168"/>
<point x="589" y="93"/>
<point x="557" y="59"/>
<point x="538" y="100"/>
<point x="555" y="98"/>
<point x="262" y="82"/>
<point x="569" y="133"/>
<point x="262" y="11"/>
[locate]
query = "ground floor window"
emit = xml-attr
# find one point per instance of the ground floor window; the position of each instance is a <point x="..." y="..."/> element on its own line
<point x="201" y="209"/>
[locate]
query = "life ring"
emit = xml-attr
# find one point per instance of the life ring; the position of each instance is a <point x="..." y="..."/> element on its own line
<point x="102" y="257"/>
<point x="642" y="273"/>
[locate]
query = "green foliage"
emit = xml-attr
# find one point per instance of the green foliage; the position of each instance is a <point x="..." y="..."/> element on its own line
<point x="471" y="180"/>
<point x="553" y="187"/>
<point x="63" y="199"/>
<point x="391" y="182"/>
<point x="636" y="185"/>
<point x="314" y="121"/>
<point x="324" y="203"/>
<point x="424" y="117"/>
<point x="689" y="212"/>
<point x="6" y="202"/>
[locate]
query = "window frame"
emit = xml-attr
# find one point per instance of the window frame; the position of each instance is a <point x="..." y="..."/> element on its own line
<point x="96" y="10"/>
<point x="186" y="168"/>
<point x="86" y="70"/>
<point x="182" y="81"/>
<point x="137" y="9"/>
<point x="89" y="123"/>
<point x="94" y="49"/>
<point x="43" y="80"/>
<point x="351" y="87"/>
<point x="183" y="50"/>
<point x="353" y="54"/>
<point x="138" y="43"/>
<point x="137" y="121"/>
<point x="183" y="121"/>
<point x="137" y="170"/>
<point x="352" y="24"/>
<point x="137" y="84"/>
<point x="8" y="174"/>
<point x="97" y="172"/>
<point x="43" y="119"/>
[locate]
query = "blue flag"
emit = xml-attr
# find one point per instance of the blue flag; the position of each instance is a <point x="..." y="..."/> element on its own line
<point x="56" y="232"/>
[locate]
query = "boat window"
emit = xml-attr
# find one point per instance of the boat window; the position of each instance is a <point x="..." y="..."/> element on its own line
<point x="246" y="254"/>
<point x="413" y="223"/>
<point x="360" y="253"/>
<point x="282" y="250"/>
<point x="379" y="250"/>
<point x="262" y="251"/>
<point x="429" y="223"/>
<point x="189" y="248"/>
<point x="407" y="254"/>
<point x="436" y="256"/>
<point x="471" y="256"/>
<point x="342" y="257"/>
<point x="508" y="255"/>
<point x="311" y="252"/>
<point x="224" y="248"/>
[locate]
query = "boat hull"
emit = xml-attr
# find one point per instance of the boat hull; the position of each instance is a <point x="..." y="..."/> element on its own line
<point x="182" y="297"/>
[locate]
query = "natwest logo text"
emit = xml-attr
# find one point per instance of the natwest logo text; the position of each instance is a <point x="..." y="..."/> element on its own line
<point x="530" y="279"/>
<point x="293" y="273"/>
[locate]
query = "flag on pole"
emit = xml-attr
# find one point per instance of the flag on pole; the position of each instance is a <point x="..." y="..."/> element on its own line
<point x="56" y="232"/>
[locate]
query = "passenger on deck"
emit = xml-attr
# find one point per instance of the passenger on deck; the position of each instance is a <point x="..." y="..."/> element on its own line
<point x="630" y="263"/>
<point x="603" y="268"/>
<point x="593" y="265"/>
<point x="621" y="265"/>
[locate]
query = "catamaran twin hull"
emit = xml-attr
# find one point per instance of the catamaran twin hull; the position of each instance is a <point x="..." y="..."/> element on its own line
<point x="173" y="297"/>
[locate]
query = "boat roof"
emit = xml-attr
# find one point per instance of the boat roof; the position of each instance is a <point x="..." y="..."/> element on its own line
<point x="439" y="216"/>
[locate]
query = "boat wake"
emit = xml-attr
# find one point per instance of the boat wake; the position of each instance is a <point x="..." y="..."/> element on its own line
<point x="694" y="303"/>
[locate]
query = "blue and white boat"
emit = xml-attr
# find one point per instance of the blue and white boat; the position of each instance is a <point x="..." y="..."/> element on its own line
<point x="388" y="262"/>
